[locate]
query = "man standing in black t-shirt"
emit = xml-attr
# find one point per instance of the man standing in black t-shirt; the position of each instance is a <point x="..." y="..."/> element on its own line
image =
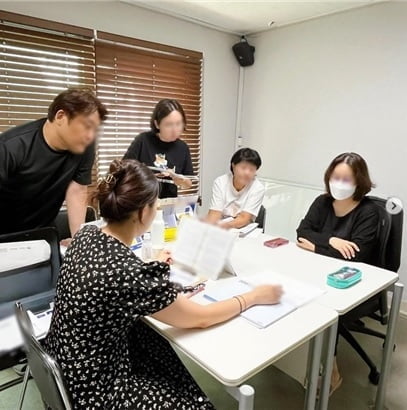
<point x="162" y="148"/>
<point x="48" y="160"/>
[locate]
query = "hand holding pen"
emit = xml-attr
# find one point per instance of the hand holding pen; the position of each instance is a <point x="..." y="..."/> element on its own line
<point x="190" y="291"/>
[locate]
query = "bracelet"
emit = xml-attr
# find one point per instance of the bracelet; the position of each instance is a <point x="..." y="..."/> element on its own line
<point x="244" y="302"/>
<point x="240" y="303"/>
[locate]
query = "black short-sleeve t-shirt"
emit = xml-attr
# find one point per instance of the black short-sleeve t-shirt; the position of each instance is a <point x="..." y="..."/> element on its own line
<point x="34" y="177"/>
<point x="149" y="149"/>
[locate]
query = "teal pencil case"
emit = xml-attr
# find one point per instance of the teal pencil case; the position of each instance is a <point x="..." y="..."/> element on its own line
<point x="344" y="277"/>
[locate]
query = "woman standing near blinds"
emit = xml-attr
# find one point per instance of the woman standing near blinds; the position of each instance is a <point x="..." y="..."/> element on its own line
<point x="161" y="147"/>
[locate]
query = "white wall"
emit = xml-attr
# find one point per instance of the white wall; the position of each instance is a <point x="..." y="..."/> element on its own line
<point x="329" y="85"/>
<point x="220" y="76"/>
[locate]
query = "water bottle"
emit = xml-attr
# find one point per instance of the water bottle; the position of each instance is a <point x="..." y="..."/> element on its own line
<point x="146" y="248"/>
<point x="157" y="231"/>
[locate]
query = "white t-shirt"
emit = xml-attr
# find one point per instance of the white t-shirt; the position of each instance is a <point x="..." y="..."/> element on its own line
<point x="230" y="202"/>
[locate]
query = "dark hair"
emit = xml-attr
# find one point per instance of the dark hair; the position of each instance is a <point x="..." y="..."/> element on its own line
<point x="128" y="187"/>
<point x="247" y="155"/>
<point x="360" y="171"/>
<point x="75" y="101"/>
<point x="164" y="108"/>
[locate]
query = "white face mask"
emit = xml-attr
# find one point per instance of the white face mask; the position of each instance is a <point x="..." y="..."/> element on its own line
<point x="341" y="190"/>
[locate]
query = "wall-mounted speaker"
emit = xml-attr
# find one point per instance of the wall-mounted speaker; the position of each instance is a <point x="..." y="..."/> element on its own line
<point x="244" y="52"/>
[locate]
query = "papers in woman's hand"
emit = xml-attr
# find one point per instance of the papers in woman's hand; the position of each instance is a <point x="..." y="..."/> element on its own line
<point x="173" y="174"/>
<point x="202" y="248"/>
<point x="183" y="277"/>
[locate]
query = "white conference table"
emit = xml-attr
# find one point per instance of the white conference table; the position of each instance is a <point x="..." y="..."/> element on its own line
<point x="250" y="256"/>
<point x="236" y="350"/>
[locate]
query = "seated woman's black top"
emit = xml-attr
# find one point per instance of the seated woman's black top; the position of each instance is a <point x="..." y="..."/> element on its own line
<point x="360" y="226"/>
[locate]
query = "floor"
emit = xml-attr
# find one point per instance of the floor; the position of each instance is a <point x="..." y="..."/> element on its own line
<point x="275" y="390"/>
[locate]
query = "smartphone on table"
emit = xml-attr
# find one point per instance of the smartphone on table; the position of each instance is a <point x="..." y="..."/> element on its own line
<point x="276" y="242"/>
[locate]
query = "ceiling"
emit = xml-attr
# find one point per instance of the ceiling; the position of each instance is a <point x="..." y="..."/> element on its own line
<point x="248" y="17"/>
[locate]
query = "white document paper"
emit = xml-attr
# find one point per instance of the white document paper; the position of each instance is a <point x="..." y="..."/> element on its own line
<point x="203" y="248"/>
<point x="296" y="294"/>
<point x="182" y="276"/>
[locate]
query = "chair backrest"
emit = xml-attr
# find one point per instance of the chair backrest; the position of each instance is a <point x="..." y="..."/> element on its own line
<point x="44" y="369"/>
<point x="261" y="218"/>
<point x="62" y="224"/>
<point x="390" y="236"/>
<point x="20" y="283"/>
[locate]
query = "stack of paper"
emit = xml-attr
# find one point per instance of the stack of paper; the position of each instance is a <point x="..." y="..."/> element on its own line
<point x="296" y="294"/>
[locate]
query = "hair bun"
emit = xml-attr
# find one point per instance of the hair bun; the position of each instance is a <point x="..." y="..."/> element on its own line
<point x="115" y="167"/>
<point x="108" y="182"/>
<point x="128" y="187"/>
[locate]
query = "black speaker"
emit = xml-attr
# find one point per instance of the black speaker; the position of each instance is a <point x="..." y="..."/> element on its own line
<point x="244" y="52"/>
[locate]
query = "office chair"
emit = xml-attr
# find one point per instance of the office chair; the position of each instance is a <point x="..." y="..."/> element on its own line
<point x="261" y="218"/>
<point x="388" y="257"/>
<point x="43" y="368"/>
<point x="62" y="224"/>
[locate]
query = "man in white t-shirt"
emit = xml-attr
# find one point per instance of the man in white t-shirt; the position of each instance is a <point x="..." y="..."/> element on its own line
<point x="237" y="196"/>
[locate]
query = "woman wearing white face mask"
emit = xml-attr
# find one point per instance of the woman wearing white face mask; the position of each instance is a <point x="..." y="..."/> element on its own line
<point x="343" y="222"/>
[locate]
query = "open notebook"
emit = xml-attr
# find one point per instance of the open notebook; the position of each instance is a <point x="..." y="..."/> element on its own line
<point x="296" y="294"/>
<point x="202" y="249"/>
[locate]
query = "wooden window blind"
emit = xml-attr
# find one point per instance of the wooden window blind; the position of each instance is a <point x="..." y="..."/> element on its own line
<point x="37" y="61"/>
<point x="131" y="77"/>
<point x="40" y="58"/>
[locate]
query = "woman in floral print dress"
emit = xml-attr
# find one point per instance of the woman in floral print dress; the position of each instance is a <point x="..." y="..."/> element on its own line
<point x="109" y="358"/>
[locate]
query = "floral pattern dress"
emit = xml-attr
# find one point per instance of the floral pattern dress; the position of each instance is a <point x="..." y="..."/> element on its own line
<point x="109" y="357"/>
